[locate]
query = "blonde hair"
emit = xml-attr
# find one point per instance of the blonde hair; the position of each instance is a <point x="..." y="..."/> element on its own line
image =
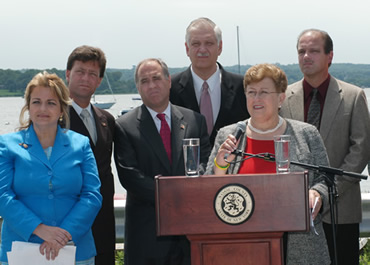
<point x="57" y="86"/>
<point x="258" y="72"/>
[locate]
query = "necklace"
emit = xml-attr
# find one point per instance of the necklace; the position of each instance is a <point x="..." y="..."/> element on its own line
<point x="281" y="120"/>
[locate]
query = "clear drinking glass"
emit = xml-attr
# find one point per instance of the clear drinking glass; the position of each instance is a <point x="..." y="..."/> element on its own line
<point x="282" y="159"/>
<point x="191" y="156"/>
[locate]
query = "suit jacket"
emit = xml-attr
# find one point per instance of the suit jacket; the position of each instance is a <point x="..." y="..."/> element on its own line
<point x="62" y="191"/>
<point x="345" y="129"/>
<point x="104" y="224"/>
<point x="306" y="146"/>
<point x="233" y="102"/>
<point x="140" y="156"/>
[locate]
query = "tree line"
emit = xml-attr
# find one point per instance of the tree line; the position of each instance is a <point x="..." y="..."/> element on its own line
<point x="14" y="82"/>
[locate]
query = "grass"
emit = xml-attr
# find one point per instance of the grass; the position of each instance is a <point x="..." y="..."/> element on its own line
<point x="119" y="257"/>
<point x="364" y="255"/>
<point x="6" y="93"/>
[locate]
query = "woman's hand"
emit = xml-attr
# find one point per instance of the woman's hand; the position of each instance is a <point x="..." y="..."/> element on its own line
<point x="49" y="252"/>
<point x="315" y="202"/>
<point x="55" y="238"/>
<point x="227" y="147"/>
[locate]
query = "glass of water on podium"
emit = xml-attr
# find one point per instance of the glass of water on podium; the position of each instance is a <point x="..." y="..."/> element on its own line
<point x="282" y="159"/>
<point x="191" y="156"/>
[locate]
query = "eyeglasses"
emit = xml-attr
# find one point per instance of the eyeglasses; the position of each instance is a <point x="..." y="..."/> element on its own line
<point x="261" y="94"/>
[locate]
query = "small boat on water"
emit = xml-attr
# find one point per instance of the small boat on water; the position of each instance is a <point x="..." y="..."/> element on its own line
<point x="136" y="102"/>
<point x="104" y="104"/>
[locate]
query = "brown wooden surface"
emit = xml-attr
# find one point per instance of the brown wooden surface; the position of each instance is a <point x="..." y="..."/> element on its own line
<point x="185" y="206"/>
<point x="239" y="249"/>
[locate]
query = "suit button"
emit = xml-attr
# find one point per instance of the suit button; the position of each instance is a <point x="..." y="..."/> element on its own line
<point x="51" y="196"/>
<point x="50" y="172"/>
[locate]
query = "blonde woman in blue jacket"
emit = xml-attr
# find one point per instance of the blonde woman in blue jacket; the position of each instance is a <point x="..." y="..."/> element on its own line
<point x="49" y="184"/>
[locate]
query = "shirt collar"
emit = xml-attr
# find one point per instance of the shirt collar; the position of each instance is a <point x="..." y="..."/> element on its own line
<point x="167" y="112"/>
<point x="78" y="109"/>
<point x="213" y="79"/>
<point x="322" y="88"/>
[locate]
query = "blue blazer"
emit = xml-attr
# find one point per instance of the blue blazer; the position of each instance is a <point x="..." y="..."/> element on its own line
<point x="62" y="191"/>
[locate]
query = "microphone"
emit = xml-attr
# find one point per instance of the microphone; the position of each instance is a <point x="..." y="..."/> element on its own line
<point x="265" y="156"/>
<point x="240" y="129"/>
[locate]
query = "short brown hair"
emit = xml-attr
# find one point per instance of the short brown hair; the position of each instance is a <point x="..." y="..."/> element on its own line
<point x="85" y="54"/>
<point x="328" y="42"/>
<point x="258" y="72"/>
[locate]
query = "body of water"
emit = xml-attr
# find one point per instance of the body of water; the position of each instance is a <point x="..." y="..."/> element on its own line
<point x="11" y="106"/>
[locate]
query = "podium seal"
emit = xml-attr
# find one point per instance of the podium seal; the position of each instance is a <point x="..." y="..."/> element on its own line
<point x="234" y="204"/>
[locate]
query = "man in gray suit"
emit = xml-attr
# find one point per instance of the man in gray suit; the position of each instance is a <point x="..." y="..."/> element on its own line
<point x="343" y="120"/>
<point x="148" y="143"/>
<point x="228" y="103"/>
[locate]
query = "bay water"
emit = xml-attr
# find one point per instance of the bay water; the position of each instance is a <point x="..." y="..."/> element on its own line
<point x="11" y="107"/>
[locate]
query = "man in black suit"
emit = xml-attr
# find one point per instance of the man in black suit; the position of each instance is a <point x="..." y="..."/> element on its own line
<point x="85" y="71"/>
<point x="203" y="46"/>
<point x="140" y="154"/>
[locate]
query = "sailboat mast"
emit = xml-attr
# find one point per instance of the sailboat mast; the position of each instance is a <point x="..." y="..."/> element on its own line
<point x="110" y="88"/>
<point x="237" y="36"/>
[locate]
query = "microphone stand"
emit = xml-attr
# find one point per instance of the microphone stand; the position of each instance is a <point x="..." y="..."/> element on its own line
<point x="328" y="172"/>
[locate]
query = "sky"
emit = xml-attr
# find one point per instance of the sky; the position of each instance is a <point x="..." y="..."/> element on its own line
<point x="40" y="34"/>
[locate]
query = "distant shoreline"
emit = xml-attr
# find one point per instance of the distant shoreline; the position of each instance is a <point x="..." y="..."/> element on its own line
<point x="14" y="82"/>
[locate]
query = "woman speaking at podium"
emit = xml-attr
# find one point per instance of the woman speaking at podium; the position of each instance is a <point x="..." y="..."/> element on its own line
<point x="265" y="86"/>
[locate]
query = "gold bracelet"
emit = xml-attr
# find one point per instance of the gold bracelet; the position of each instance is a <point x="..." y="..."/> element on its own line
<point x="221" y="167"/>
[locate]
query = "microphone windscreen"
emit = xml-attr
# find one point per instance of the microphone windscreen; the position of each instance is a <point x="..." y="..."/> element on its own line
<point x="240" y="129"/>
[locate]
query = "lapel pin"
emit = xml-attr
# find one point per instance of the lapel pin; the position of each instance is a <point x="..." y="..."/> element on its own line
<point x="104" y="124"/>
<point x="182" y="126"/>
<point x="25" y="146"/>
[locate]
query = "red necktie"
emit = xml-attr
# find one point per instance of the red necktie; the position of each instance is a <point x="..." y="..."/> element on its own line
<point x="205" y="106"/>
<point x="165" y="133"/>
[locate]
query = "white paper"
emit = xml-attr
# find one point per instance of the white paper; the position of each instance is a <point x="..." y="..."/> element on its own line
<point x="313" y="209"/>
<point x="29" y="253"/>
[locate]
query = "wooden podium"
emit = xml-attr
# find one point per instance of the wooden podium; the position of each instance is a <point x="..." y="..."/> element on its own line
<point x="233" y="219"/>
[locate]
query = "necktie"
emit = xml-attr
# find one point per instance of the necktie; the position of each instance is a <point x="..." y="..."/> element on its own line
<point x="165" y="133"/>
<point x="314" y="111"/>
<point x="86" y="118"/>
<point x="206" y="107"/>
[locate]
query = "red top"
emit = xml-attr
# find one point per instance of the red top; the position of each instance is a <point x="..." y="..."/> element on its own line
<point x="258" y="165"/>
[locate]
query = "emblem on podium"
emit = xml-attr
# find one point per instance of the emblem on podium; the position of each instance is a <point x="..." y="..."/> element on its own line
<point x="234" y="204"/>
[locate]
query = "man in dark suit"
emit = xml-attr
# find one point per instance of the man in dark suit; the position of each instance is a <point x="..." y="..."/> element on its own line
<point x="85" y="71"/>
<point x="140" y="154"/>
<point x="228" y="103"/>
<point x="343" y="121"/>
